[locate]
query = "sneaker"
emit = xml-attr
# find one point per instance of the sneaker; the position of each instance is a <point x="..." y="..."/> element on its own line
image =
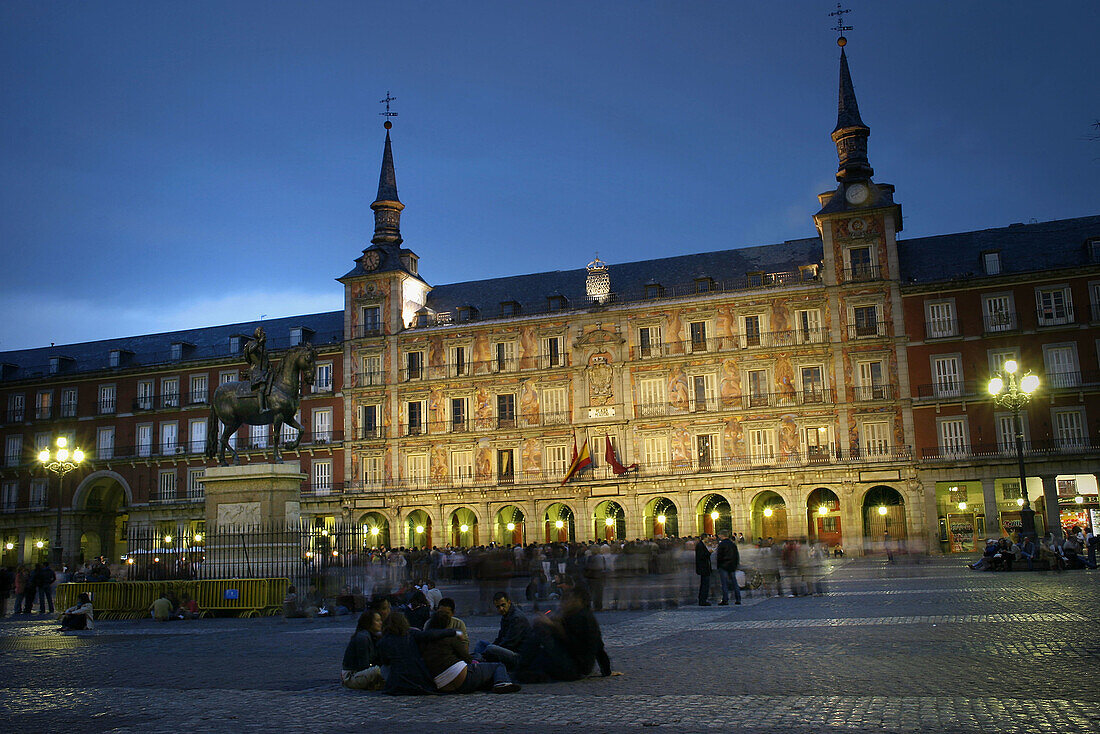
<point x="723" y="603"/>
<point x="505" y="688"/>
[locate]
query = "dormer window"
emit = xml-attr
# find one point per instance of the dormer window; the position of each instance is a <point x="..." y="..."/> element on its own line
<point x="756" y="279"/>
<point x="299" y="334"/>
<point x="654" y="290"/>
<point x="808" y="273"/>
<point x="410" y="261"/>
<point x="60" y="364"/>
<point x="1092" y="247"/>
<point x="181" y="350"/>
<point x="509" y="308"/>
<point x="234" y="345"/>
<point x="557" y="303"/>
<point x="991" y="262"/>
<point x="119" y="357"/>
<point x="421" y="319"/>
<point x="467" y="313"/>
<point x="704" y="284"/>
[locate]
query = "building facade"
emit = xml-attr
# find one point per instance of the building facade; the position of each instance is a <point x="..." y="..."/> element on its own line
<point x="799" y="389"/>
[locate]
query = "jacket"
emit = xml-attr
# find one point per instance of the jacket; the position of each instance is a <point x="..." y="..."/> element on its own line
<point x="702" y="558"/>
<point x="514" y="628"/>
<point x="584" y="642"/>
<point x="729" y="558"/>
<point x="361" y="652"/>
<point x="408" y="675"/>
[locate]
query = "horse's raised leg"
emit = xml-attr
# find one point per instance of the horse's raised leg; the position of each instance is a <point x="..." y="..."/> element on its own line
<point x="227" y="433"/>
<point x="298" y="439"/>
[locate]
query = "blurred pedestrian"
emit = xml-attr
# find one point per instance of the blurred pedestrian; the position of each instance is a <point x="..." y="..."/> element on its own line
<point x="729" y="558"/>
<point x="702" y="569"/>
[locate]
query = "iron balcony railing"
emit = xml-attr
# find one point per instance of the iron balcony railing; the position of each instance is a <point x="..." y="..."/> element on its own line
<point x="993" y="323"/>
<point x="1007" y="449"/>
<point x="1054" y="316"/>
<point x="182" y="448"/>
<point x="941" y="328"/>
<point x="864" y="393"/>
<point x="949" y="389"/>
<point x="741" y="402"/>
<point x="107" y="406"/>
<point x="42" y="413"/>
<point x="15" y="416"/>
<point x="473" y="424"/>
<point x="369" y="379"/>
<point x="860" y="273"/>
<point x="366" y="331"/>
<point x="867" y="331"/>
<point x="1095" y="310"/>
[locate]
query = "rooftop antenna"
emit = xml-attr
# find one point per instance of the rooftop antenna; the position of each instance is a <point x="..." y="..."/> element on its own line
<point x="389" y="98"/>
<point x="839" y="13"/>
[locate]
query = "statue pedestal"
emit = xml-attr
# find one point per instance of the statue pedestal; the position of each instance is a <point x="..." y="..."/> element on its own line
<point x="252" y="514"/>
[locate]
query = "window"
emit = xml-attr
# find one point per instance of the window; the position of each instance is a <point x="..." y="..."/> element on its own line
<point x="761" y="445"/>
<point x="649" y="341"/>
<point x="228" y="376"/>
<point x="809" y="327"/>
<point x="1055" y="306"/>
<point x="16" y="405"/>
<point x="557" y="461"/>
<point x="462" y="466"/>
<point x="991" y="263"/>
<point x="506" y="356"/>
<point x="372" y="320"/>
<point x="553" y="352"/>
<point x="416" y="466"/>
<point x="195" y="490"/>
<point x="948" y="377"/>
<point x="953" y="437"/>
<point x="703" y="389"/>
<point x="941" y="320"/>
<point x="459" y="361"/>
<point x="506" y="468"/>
<point x="654" y="290"/>
<point x="9" y="497"/>
<point x="114" y="358"/>
<point x="651" y="397"/>
<point x="106" y="399"/>
<point x="322" y="476"/>
<point x="288" y="433"/>
<point x="506" y="410"/>
<point x="144" y="400"/>
<point x="257" y="437"/>
<point x="555" y="406"/>
<point x="38" y="493"/>
<point x="1061" y="365"/>
<point x="876" y="438"/>
<point x="704" y="285"/>
<point x="414" y="365"/>
<point x="170" y="392"/>
<point x="43" y="404"/>
<point x="1010" y="489"/>
<point x="813" y="385"/>
<point x="199" y="390"/>
<point x="698" y="331"/>
<point x="323" y="380"/>
<point x="144" y="439"/>
<point x="997" y="313"/>
<point x="177" y="351"/>
<point x="655" y="450"/>
<point x="870" y="385"/>
<point x="42" y="441"/>
<point x="509" y="308"/>
<point x="817" y="443"/>
<point x="234" y="345"/>
<point x="373" y="473"/>
<point x="706" y="450"/>
<point x="166" y="485"/>
<point x="1006" y="432"/>
<point x="368" y="422"/>
<point x="467" y="313"/>
<point x="865" y="321"/>
<point x="168" y="443"/>
<point x="997" y="359"/>
<point x="862" y="267"/>
<point x="105" y="443"/>
<point x="414" y="410"/>
<point x="13" y="451"/>
<point x="196" y="433"/>
<point x="372" y="370"/>
<point x="68" y="402"/>
<point x="322" y="425"/>
<point x="298" y="334"/>
<point x="758" y="388"/>
<point x="750" y="328"/>
<point x="557" y="303"/>
<point x="1069" y="429"/>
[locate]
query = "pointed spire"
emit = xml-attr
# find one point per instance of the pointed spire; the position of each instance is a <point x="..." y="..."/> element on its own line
<point x="387" y="207"/>
<point x="850" y="134"/>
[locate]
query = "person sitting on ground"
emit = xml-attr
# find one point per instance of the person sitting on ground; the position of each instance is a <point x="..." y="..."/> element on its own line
<point x="1072" y="548"/>
<point x="1028" y="552"/>
<point x="1052" y="553"/>
<point x="188" y="608"/>
<point x="398" y="648"/>
<point x="292" y="605"/>
<point x="433" y="594"/>
<point x="315" y="603"/>
<point x="418" y="610"/>
<point x="514" y="628"/>
<point x="567" y="646"/>
<point x="360" y="670"/>
<point x="446" y="608"/>
<point x="985" y="563"/>
<point x="838" y="551"/>
<point x="161" y="610"/>
<point x="453" y="670"/>
<point x="79" y="616"/>
<point x="381" y="605"/>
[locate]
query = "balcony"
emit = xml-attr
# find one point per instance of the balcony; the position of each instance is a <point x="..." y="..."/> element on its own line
<point x="1054" y="316"/>
<point x="198" y="397"/>
<point x="367" y="433"/>
<point x="369" y="379"/>
<point x="1007" y="450"/>
<point x="861" y="273"/>
<point x="993" y="323"/>
<point x="366" y="331"/>
<point x="15" y="415"/>
<point x="107" y="406"/>
<point x="866" y="331"/>
<point x="819" y="396"/>
<point x="43" y="412"/>
<point x="170" y="400"/>
<point x="941" y="328"/>
<point x="864" y="393"/>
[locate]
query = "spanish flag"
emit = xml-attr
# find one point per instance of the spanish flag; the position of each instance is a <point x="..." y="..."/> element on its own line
<point x="581" y="461"/>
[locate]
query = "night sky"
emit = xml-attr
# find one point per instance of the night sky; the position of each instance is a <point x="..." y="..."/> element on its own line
<point x="172" y="165"/>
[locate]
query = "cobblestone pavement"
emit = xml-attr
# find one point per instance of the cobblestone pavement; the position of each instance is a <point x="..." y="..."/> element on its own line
<point x="932" y="647"/>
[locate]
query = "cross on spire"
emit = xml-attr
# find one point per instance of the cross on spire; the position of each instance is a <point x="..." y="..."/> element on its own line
<point x="386" y="102"/>
<point x="839" y="13"/>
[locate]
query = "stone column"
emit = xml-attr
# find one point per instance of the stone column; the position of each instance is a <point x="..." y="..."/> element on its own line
<point x="1050" y="499"/>
<point x="992" y="515"/>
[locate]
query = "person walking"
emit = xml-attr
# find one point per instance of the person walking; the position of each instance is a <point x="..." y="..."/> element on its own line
<point x="7" y="581"/>
<point x="729" y="558"/>
<point x="44" y="578"/>
<point x="702" y="569"/>
<point x="29" y="589"/>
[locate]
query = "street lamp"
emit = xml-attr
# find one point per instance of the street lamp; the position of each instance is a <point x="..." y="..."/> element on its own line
<point x="1010" y="390"/>
<point x="60" y="462"/>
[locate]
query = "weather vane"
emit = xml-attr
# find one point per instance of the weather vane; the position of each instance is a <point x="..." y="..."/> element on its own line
<point x="387" y="101"/>
<point x="840" y="12"/>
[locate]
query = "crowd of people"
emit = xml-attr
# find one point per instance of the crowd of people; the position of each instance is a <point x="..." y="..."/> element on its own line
<point x="1076" y="550"/>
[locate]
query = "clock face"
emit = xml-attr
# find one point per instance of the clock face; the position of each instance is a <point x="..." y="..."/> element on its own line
<point x="856" y="194"/>
<point x="371" y="260"/>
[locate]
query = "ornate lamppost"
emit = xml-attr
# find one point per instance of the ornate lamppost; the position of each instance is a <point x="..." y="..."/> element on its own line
<point x="60" y="462"/>
<point x="1012" y="391"/>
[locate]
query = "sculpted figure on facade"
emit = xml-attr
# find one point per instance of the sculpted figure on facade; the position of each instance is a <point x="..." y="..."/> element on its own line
<point x="788" y="436"/>
<point x="729" y="384"/>
<point x="532" y="455"/>
<point x="780" y="319"/>
<point x="435" y="357"/>
<point x="483" y="409"/>
<point x="601" y="390"/>
<point x="733" y="438"/>
<point x="674" y="337"/>
<point x="438" y="458"/>
<point x="678" y="396"/>
<point x="483" y="460"/>
<point x="529" y="403"/>
<point x="435" y="408"/>
<point x="725" y="327"/>
<point x="784" y="377"/>
<point x="680" y="444"/>
<point x="387" y="464"/>
<point x="528" y="348"/>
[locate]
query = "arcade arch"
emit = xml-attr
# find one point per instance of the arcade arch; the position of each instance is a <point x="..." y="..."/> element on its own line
<point x="661" y="518"/>
<point x="714" y="514"/>
<point x="609" y="521"/>
<point x="376" y="530"/>
<point x="883" y="512"/>
<point x="559" y="523"/>
<point x="768" y="516"/>
<point x="823" y="517"/>
<point x="418" y="529"/>
<point x="464" y="528"/>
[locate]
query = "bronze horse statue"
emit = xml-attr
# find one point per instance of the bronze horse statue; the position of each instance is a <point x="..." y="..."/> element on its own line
<point x="236" y="404"/>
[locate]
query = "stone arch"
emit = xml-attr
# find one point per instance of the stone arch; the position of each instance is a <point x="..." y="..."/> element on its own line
<point x="510" y="515"/>
<point x="100" y="479"/>
<point x="657" y="508"/>
<point x="714" y="514"/>
<point x="609" y="521"/>
<point x="463" y="527"/>
<point x="884" y="518"/>
<point x="823" y="517"/>
<point x="418" y="528"/>
<point x="768" y="516"/>
<point x="560" y="523"/>
<point x="376" y="529"/>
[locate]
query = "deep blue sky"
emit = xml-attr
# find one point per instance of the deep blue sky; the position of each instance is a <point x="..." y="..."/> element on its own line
<point x="156" y="155"/>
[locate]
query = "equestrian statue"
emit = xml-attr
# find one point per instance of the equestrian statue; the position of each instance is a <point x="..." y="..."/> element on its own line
<point x="269" y="397"/>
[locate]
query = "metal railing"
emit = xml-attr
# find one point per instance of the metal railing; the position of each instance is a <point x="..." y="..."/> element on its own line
<point x="366" y="331"/>
<point x="864" y="393"/>
<point x="867" y="331"/>
<point x="369" y="379"/>
<point x="740" y="402"/>
<point x="473" y="424"/>
<point x="1054" y="317"/>
<point x="1000" y="321"/>
<point x="941" y="328"/>
<point x="861" y="273"/>
<point x="106" y="407"/>
<point x="1007" y="450"/>
<point x="15" y="416"/>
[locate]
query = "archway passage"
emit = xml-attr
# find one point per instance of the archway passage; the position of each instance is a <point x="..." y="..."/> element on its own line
<point x="464" y="531"/>
<point x="609" y="521"/>
<point x="101" y="514"/>
<point x="883" y="518"/>
<point x="823" y="517"/>
<point x="376" y="530"/>
<point x="560" y="524"/>
<point x="418" y="529"/>
<point x="661" y="518"/>
<point x="714" y="515"/>
<point x="769" y="516"/>
<point x="509" y="527"/>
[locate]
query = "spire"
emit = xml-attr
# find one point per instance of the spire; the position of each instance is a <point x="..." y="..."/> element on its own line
<point x="850" y="134"/>
<point x="387" y="207"/>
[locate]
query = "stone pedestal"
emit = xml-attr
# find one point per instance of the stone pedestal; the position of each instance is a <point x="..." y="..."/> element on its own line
<point x="252" y="515"/>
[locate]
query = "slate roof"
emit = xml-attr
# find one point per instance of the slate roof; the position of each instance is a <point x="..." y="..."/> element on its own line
<point x="1023" y="247"/>
<point x="847" y="113"/>
<point x="209" y="342"/>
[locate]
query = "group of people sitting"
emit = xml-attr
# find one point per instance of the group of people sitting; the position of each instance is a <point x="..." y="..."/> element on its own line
<point x="168" y="608"/>
<point x="413" y="649"/>
<point x="1001" y="554"/>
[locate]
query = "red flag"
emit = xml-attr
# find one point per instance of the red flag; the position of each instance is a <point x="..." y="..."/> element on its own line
<point x="613" y="461"/>
<point x="582" y="461"/>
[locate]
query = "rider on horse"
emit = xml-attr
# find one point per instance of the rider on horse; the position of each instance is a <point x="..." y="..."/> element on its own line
<point x="259" y="372"/>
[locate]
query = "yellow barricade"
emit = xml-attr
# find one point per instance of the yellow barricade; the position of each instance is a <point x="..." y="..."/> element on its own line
<point x="133" y="599"/>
